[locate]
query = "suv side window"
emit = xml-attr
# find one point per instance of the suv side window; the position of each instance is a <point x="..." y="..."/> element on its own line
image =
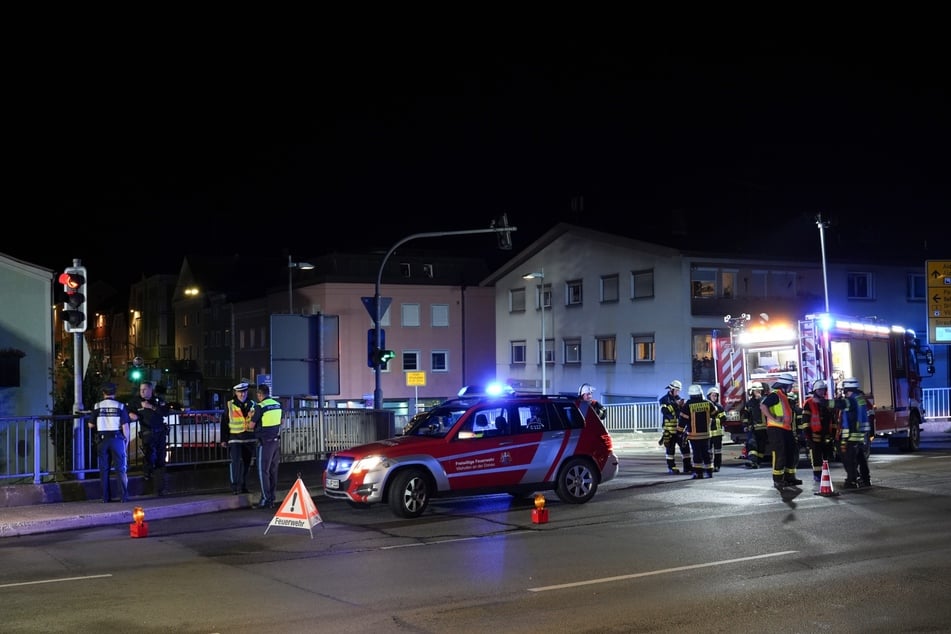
<point x="569" y="417"/>
<point x="532" y="418"/>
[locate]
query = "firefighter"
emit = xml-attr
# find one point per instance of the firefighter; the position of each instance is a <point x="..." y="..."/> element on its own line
<point x="754" y="426"/>
<point x="819" y="427"/>
<point x="586" y="399"/>
<point x="670" y="406"/>
<point x="780" y="417"/>
<point x="696" y="417"/>
<point x="854" y="429"/>
<point x="716" y="428"/>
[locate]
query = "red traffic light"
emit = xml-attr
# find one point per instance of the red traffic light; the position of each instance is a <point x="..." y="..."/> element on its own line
<point x="71" y="281"/>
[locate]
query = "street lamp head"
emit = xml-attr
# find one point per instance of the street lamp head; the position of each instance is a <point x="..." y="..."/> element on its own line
<point x="531" y="276"/>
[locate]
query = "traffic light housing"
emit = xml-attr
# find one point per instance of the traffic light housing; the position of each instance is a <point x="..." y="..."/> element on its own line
<point x="382" y="357"/>
<point x="373" y="352"/>
<point x="73" y="279"/>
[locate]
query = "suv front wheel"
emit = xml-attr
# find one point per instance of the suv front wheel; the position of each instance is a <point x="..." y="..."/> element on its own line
<point x="409" y="493"/>
<point x="577" y="481"/>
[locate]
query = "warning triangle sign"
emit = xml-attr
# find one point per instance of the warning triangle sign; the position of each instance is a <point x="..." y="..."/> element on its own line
<point x="297" y="510"/>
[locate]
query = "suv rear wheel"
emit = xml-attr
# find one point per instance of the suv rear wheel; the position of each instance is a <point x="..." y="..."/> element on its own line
<point x="577" y="481"/>
<point x="409" y="493"/>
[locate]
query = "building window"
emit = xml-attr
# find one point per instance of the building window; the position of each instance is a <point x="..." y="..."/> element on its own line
<point x="410" y="315"/>
<point x="572" y="351"/>
<point x="607" y="349"/>
<point x="517" y="352"/>
<point x="543" y="296"/>
<point x="642" y="284"/>
<point x="549" y="351"/>
<point x="609" y="289"/>
<point x="703" y="283"/>
<point x="573" y="293"/>
<point x="517" y="300"/>
<point x="917" y="287"/>
<point x="727" y="284"/>
<point x="405" y="269"/>
<point x="440" y="315"/>
<point x="643" y="348"/>
<point x="860" y="286"/>
<point x="440" y="361"/>
<point x="702" y="349"/>
<point x="410" y="360"/>
<point x="428" y="270"/>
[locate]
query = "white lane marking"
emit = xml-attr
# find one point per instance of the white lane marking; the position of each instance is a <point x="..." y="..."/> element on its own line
<point x="33" y="583"/>
<point x="589" y="582"/>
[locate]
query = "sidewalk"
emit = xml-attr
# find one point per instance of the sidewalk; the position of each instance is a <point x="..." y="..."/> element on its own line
<point x="32" y="509"/>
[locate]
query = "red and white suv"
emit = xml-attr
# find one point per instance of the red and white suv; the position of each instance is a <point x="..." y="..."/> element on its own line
<point x="515" y="444"/>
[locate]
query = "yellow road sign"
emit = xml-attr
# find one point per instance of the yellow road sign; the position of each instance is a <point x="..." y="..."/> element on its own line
<point x="939" y="273"/>
<point x="416" y="378"/>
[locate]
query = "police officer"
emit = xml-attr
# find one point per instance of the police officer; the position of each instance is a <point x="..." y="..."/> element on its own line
<point x="819" y="427"/>
<point x="110" y="419"/>
<point x="267" y="428"/>
<point x="780" y="417"/>
<point x="237" y="434"/>
<point x="854" y="430"/>
<point x="150" y="411"/>
<point x="671" y="439"/>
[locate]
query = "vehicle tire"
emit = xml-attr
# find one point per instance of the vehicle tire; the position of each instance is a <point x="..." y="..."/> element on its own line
<point x="913" y="442"/>
<point x="409" y="493"/>
<point x="577" y="481"/>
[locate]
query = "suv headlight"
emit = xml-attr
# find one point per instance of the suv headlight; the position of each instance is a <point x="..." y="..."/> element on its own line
<point x="370" y="463"/>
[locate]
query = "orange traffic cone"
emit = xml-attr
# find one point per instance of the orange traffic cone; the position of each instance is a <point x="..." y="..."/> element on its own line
<point x="825" y="483"/>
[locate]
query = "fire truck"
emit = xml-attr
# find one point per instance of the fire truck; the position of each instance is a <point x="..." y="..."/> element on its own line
<point x="886" y="359"/>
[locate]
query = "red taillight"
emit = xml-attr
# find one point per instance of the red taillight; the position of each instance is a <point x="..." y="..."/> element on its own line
<point x="608" y="442"/>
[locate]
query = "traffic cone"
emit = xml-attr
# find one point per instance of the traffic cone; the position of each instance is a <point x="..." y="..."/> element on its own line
<point x="825" y="483"/>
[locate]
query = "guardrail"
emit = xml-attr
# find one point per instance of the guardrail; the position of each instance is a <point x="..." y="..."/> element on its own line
<point x="35" y="449"/>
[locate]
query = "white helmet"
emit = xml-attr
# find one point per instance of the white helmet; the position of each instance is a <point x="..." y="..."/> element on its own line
<point x="694" y="390"/>
<point x="675" y="385"/>
<point x="819" y="385"/>
<point x="713" y="390"/>
<point x="585" y="389"/>
<point x="850" y="383"/>
<point x="756" y="385"/>
<point x="784" y="380"/>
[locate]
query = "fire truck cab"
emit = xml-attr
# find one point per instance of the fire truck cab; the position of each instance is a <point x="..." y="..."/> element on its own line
<point x="886" y="359"/>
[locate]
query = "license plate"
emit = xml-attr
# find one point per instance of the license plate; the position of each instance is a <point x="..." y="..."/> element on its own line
<point x="333" y="483"/>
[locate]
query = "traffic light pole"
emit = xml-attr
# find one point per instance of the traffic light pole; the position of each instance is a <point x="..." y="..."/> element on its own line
<point x="378" y="316"/>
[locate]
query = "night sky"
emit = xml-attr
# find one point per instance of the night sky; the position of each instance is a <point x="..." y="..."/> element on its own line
<point x="317" y="147"/>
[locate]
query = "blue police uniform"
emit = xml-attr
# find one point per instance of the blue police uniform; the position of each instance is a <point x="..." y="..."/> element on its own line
<point x="110" y="419"/>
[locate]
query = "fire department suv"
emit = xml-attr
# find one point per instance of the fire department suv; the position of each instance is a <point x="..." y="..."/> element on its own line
<point x="885" y="359"/>
<point x="515" y="444"/>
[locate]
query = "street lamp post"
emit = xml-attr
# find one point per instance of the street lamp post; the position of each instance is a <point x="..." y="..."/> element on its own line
<point x="291" y="265"/>
<point x="504" y="234"/>
<point x="541" y="303"/>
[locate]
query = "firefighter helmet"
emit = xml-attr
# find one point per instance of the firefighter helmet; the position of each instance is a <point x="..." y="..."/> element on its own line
<point x="850" y="383"/>
<point x="586" y="388"/>
<point x="784" y="380"/>
<point x="675" y="385"/>
<point x="819" y="385"/>
<point x="756" y="385"/>
<point x="694" y="390"/>
<point x="713" y="390"/>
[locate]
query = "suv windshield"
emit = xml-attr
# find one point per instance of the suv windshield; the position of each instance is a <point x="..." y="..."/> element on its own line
<point x="434" y="423"/>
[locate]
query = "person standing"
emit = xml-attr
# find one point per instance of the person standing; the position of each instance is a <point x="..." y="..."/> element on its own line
<point x="755" y="426"/>
<point x="586" y="399"/>
<point x="110" y="419"/>
<point x="716" y="428"/>
<point x="670" y="407"/>
<point x="819" y="427"/>
<point x="267" y="428"/>
<point x="854" y="429"/>
<point x="150" y="411"/>
<point x="696" y="416"/>
<point x="237" y="434"/>
<point x="779" y="416"/>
